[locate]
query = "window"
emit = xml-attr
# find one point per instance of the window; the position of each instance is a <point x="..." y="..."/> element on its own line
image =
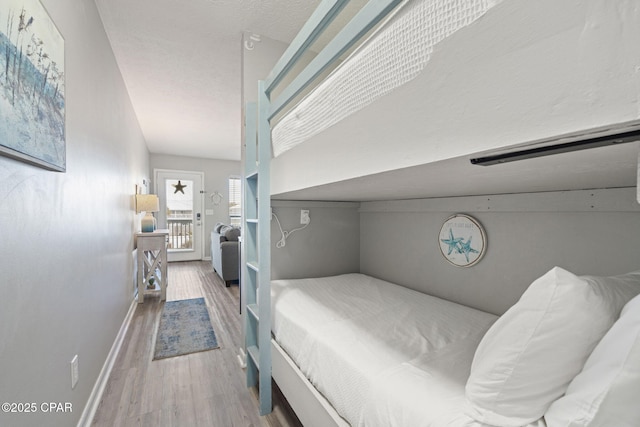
<point x="179" y="197"/>
<point x="235" y="201"/>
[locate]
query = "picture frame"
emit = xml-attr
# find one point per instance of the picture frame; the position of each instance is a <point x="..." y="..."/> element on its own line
<point x="462" y="240"/>
<point x="32" y="86"/>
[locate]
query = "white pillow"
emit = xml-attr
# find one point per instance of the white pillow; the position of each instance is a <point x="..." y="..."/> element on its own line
<point x="607" y="390"/>
<point x="531" y="353"/>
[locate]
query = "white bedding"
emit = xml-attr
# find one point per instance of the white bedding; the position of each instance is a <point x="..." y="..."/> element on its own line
<point x="382" y="355"/>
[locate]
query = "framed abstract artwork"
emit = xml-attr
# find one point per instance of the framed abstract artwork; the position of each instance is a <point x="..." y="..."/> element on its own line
<point x="463" y="241"/>
<point x="32" y="86"/>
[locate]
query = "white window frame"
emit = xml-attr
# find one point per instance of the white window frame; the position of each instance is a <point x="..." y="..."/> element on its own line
<point x="234" y="189"/>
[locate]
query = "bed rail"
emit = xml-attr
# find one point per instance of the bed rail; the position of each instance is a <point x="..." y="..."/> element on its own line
<point x="256" y="247"/>
<point x="367" y="18"/>
<point x="324" y="15"/>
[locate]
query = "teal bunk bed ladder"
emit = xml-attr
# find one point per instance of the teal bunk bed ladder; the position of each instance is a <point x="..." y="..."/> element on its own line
<point x="256" y="246"/>
<point x="257" y="249"/>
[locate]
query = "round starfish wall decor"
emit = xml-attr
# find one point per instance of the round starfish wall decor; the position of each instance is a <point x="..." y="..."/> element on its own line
<point x="462" y="240"/>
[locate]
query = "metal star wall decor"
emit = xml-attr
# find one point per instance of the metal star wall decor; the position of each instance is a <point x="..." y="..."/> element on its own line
<point x="179" y="187"/>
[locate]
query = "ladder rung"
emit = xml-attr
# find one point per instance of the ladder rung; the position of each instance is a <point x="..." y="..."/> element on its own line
<point x="254" y="354"/>
<point x="253" y="309"/>
<point x="252" y="265"/>
<point x="252" y="220"/>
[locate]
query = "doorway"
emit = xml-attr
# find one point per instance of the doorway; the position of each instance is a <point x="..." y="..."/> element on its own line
<point x="180" y="195"/>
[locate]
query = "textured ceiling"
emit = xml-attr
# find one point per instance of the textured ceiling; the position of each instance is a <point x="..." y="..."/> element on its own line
<point x="180" y="61"/>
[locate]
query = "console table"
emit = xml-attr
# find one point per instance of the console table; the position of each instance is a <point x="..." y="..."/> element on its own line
<point x="152" y="262"/>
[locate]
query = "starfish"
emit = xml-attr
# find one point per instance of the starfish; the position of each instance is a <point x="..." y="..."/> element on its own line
<point x="466" y="248"/>
<point x="179" y="187"/>
<point x="452" y="242"/>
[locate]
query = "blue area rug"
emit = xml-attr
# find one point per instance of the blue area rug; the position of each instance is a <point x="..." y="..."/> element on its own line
<point x="185" y="327"/>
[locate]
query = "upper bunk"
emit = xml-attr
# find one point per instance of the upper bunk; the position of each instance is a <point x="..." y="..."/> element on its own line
<point x="434" y="89"/>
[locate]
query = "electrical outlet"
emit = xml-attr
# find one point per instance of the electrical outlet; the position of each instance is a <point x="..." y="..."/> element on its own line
<point x="304" y="216"/>
<point x="74" y="371"/>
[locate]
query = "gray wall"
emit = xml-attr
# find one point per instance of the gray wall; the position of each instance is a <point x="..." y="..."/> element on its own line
<point x="586" y="232"/>
<point x="329" y="245"/>
<point x="66" y="238"/>
<point x="216" y="176"/>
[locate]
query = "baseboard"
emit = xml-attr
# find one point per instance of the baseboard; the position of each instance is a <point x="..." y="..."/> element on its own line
<point x="96" y="394"/>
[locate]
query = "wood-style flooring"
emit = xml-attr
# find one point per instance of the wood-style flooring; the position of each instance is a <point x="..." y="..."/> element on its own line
<point x="199" y="389"/>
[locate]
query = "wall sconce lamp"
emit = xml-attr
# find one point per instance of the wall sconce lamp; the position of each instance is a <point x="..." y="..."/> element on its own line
<point x="147" y="203"/>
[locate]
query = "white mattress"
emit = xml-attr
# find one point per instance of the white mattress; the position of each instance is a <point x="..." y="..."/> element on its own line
<point x="381" y="354"/>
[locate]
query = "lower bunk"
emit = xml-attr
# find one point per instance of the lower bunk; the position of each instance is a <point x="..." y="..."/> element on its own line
<point x="356" y="350"/>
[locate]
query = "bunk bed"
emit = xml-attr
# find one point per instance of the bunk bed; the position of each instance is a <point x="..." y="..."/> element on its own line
<point x="298" y="127"/>
<point x="377" y="354"/>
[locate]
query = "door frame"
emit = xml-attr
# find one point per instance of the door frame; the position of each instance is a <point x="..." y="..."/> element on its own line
<point x="200" y="196"/>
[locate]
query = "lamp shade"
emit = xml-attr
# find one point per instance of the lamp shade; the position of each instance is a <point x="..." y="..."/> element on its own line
<point x="147" y="203"/>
